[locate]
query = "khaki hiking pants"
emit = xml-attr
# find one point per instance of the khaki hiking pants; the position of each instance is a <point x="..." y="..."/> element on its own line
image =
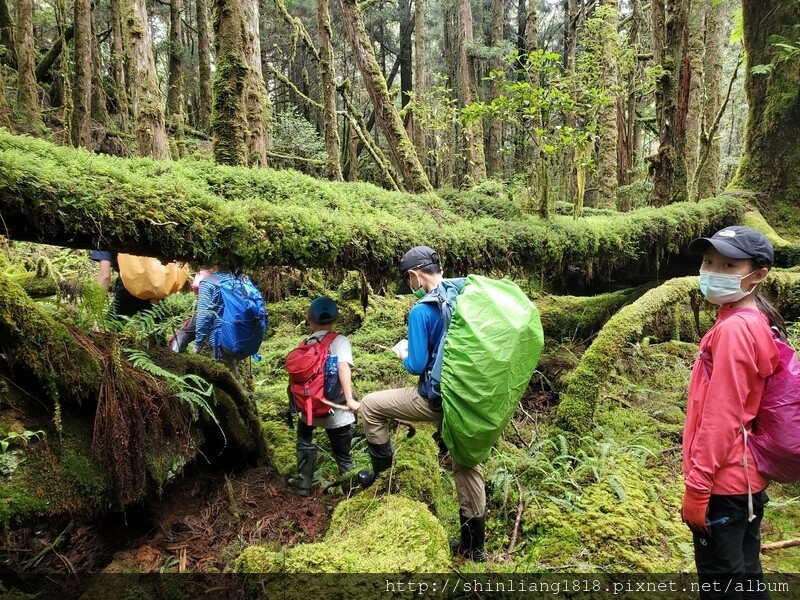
<point x="379" y="408"/>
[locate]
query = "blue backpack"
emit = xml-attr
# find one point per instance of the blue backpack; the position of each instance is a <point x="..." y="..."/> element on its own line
<point x="243" y="322"/>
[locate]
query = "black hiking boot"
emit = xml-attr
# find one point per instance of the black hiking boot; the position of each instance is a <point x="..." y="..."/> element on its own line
<point x="381" y="456"/>
<point x="473" y="537"/>
<point x="306" y="465"/>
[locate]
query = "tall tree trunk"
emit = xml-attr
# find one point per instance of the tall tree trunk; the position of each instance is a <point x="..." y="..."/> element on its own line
<point x="257" y="107"/>
<point x="118" y="65"/>
<point x="527" y="42"/>
<point x="5" y="112"/>
<point x="333" y="169"/>
<point x="82" y="81"/>
<point x="386" y="114"/>
<point x="628" y="124"/>
<point x="694" y="109"/>
<point x="473" y="132"/>
<point x="174" y="107"/>
<point x="771" y="150"/>
<point x="607" y="122"/>
<point x="670" y="43"/>
<point x="7" y="35"/>
<point x="99" y="99"/>
<point x="151" y="134"/>
<point x="204" y="66"/>
<point x="706" y="183"/>
<point x="573" y="16"/>
<point x="405" y="53"/>
<point x="228" y="118"/>
<point x="27" y="89"/>
<point x="420" y="80"/>
<point x="494" y="137"/>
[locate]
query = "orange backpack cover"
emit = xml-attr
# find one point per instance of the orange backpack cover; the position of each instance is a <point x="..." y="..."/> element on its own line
<point x="148" y="279"/>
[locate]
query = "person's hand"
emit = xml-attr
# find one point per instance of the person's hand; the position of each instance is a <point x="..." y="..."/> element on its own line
<point x="353" y="405"/>
<point x="694" y="509"/>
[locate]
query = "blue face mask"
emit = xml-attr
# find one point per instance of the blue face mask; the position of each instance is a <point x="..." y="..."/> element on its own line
<point x="723" y="289"/>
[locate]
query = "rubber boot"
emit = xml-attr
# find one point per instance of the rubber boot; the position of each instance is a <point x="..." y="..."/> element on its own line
<point x="381" y="456"/>
<point x="473" y="537"/>
<point x="306" y="465"/>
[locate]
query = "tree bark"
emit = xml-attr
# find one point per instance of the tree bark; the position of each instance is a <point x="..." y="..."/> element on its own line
<point x="99" y="99"/>
<point x="174" y="109"/>
<point x="473" y="132"/>
<point x="257" y="107"/>
<point x="694" y="109"/>
<point x="204" y="66"/>
<point x="706" y="184"/>
<point x="228" y="118"/>
<point x="670" y="42"/>
<point x="7" y="35"/>
<point x="405" y="55"/>
<point x="5" y="112"/>
<point x="151" y="134"/>
<point x="420" y="81"/>
<point x="771" y="152"/>
<point x="333" y="168"/>
<point x="118" y="66"/>
<point x="386" y="114"/>
<point x="27" y="89"/>
<point x="494" y="136"/>
<point x="607" y="182"/>
<point x="82" y="79"/>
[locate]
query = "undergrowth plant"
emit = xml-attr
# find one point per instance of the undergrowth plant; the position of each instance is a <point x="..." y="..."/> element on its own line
<point x="190" y="389"/>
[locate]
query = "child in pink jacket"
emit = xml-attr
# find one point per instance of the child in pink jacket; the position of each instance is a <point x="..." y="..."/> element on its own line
<point x="724" y="494"/>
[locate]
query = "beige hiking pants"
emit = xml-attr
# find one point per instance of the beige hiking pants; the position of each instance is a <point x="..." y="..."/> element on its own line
<point x="379" y="408"/>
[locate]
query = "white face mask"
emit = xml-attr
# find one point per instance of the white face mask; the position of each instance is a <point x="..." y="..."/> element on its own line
<point x="719" y="288"/>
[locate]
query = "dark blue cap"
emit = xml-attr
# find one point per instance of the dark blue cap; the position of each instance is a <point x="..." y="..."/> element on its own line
<point x="738" y="242"/>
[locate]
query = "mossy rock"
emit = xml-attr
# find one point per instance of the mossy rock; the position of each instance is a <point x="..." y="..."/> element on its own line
<point x="391" y="534"/>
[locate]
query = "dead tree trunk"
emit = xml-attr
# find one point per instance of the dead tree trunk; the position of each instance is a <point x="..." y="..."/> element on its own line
<point x="387" y="116"/>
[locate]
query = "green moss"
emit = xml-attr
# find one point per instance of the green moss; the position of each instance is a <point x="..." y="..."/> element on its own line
<point x="649" y="317"/>
<point x="391" y="534"/>
<point x="56" y="478"/>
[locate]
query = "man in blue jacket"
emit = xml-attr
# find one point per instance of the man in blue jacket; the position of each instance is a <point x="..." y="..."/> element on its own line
<point x="421" y="268"/>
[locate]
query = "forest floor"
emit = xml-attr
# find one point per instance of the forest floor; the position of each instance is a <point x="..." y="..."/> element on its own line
<point x="198" y="525"/>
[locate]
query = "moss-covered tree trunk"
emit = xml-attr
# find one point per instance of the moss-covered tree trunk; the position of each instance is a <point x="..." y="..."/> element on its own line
<point x="494" y="134"/>
<point x="99" y="110"/>
<point x="468" y="93"/>
<point x="695" y="101"/>
<point x="27" y="89"/>
<point x="333" y="168"/>
<point x="174" y="107"/>
<point x="257" y="106"/>
<point x="228" y="117"/>
<point x="705" y="183"/>
<point x="607" y="121"/>
<point x="670" y="41"/>
<point x="203" y="66"/>
<point x="5" y="112"/>
<point x="118" y="65"/>
<point x="386" y="114"/>
<point x="82" y="79"/>
<point x="7" y="35"/>
<point x="769" y="166"/>
<point x="151" y="133"/>
<point x="420" y="81"/>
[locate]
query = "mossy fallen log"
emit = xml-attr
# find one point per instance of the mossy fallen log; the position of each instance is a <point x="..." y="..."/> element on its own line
<point x="205" y="213"/>
<point x="659" y="312"/>
<point x="33" y="341"/>
<point x="662" y="313"/>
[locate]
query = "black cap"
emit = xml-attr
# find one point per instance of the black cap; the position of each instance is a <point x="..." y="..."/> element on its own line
<point x="416" y="258"/>
<point x="738" y="242"/>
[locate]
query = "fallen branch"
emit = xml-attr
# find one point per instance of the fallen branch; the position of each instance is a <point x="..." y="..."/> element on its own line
<point x="780" y="545"/>
<point x="517" y="521"/>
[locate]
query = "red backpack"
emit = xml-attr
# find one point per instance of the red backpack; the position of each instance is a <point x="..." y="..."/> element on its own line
<point x="306" y="367"/>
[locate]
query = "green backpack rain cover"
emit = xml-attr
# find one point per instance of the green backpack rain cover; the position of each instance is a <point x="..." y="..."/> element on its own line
<point x="490" y="352"/>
